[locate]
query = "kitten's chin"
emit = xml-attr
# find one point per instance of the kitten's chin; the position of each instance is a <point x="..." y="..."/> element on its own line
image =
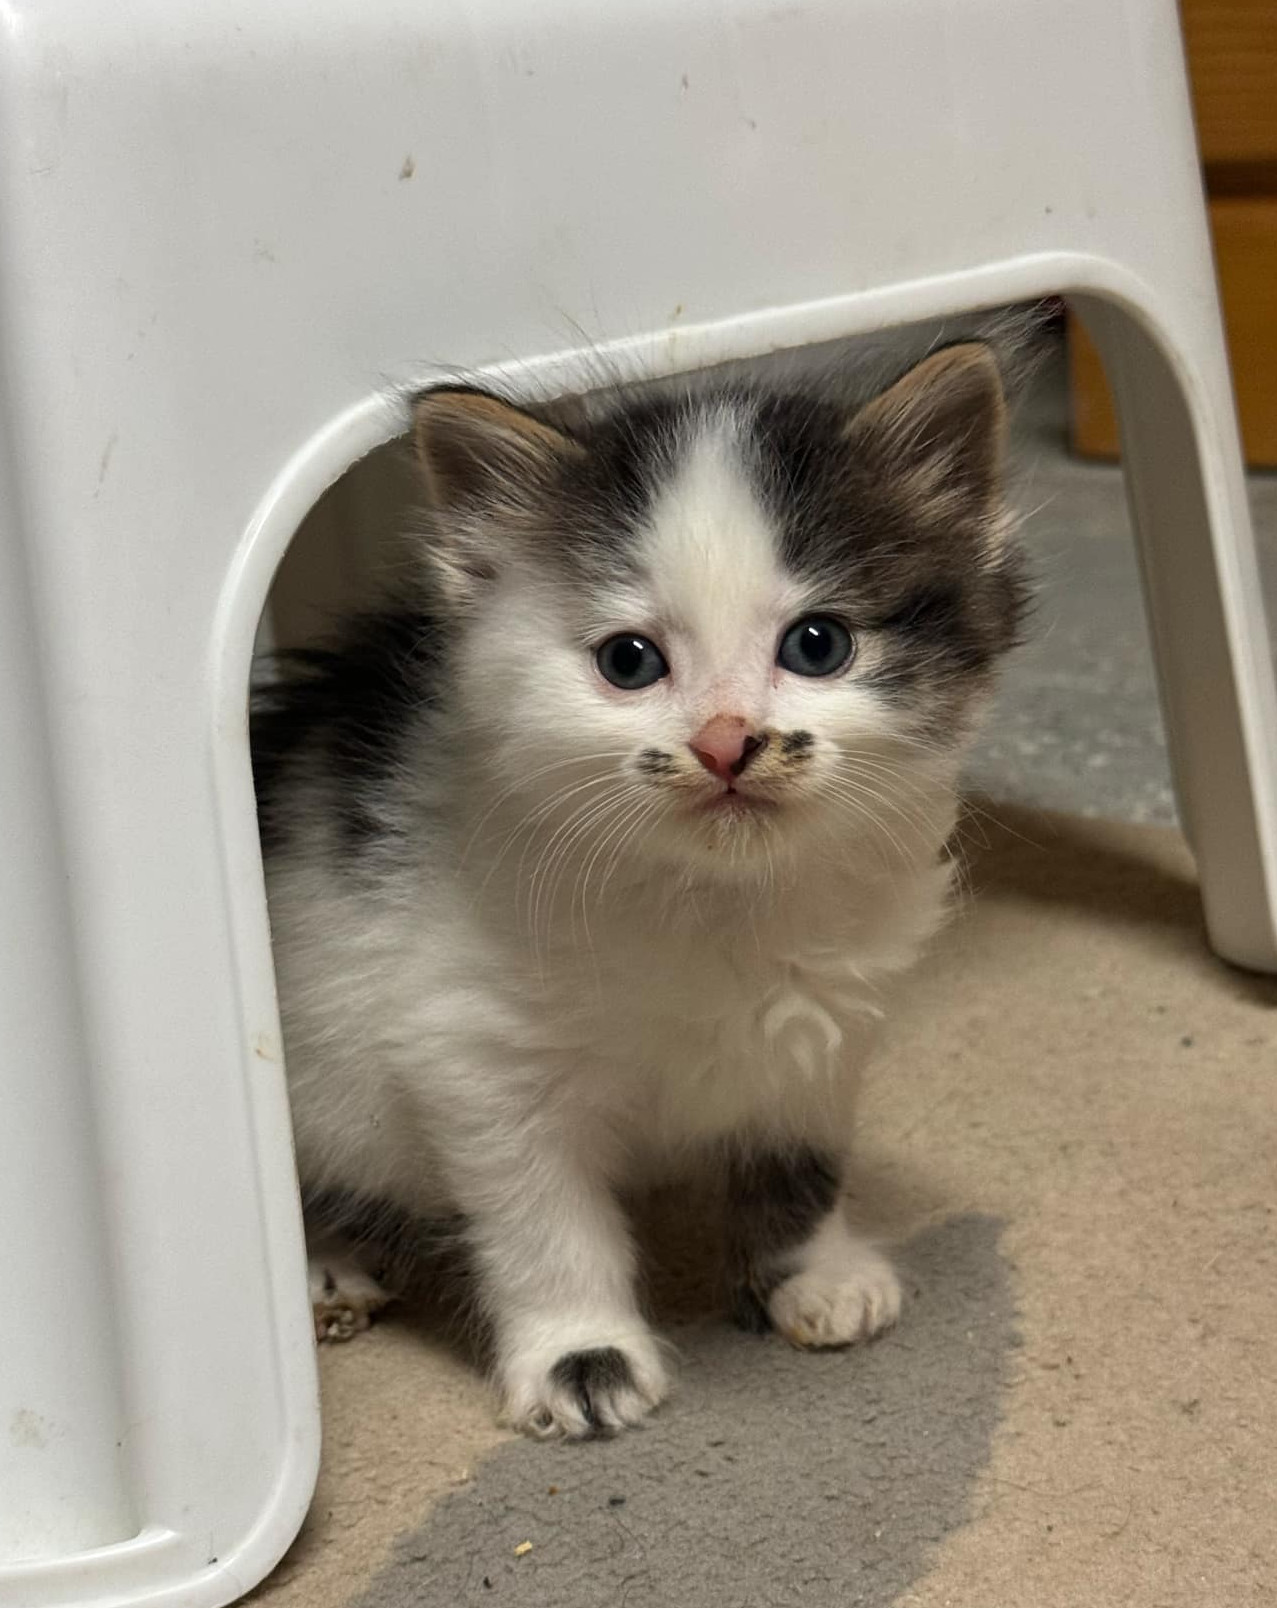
<point x="731" y="835"/>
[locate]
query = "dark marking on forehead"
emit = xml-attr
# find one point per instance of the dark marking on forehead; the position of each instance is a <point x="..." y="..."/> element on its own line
<point x="927" y="609"/>
<point x="604" y="496"/>
<point x="925" y="563"/>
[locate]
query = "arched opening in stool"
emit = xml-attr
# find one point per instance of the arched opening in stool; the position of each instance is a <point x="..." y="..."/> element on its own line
<point x="1077" y="727"/>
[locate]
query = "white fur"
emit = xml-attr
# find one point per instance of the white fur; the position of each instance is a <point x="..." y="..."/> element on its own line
<point x="844" y="1290"/>
<point x="582" y="982"/>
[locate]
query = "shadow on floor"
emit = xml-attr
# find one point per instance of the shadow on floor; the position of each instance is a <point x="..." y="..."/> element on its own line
<point x="1065" y="862"/>
<point x="772" y="1477"/>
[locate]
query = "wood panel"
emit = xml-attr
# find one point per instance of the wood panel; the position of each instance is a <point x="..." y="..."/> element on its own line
<point x="1232" y="57"/>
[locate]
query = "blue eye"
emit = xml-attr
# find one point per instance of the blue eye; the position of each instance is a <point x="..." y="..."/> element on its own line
<point x="630" y="662"/>
<point x="815" y="646"/>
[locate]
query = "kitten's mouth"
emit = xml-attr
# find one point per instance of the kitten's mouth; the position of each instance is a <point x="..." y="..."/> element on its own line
<point x="731" y="801"/>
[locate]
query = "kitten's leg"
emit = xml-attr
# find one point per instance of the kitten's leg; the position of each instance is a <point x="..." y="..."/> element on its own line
<point x="797" y="1264"/>
<point x="574" y="1356"/>
<point x="344" y="1296"/>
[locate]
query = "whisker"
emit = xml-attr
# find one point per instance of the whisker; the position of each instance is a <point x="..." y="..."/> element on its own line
<point x="526" y="777"/>
<point x="557" y="853"/>
<point x="657" y="815"/>
<point x="912" y="821"/>
<point x="554" y="851"/>
<point x="534" y="818"/>
<point x="861" y="802"/>
<point x="617" y="831"/>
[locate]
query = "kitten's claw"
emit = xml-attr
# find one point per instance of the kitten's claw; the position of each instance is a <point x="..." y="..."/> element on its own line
<point x="343" y="1298"/>
<point x="823" y="1308"/>
<point x="588" y="1391"/>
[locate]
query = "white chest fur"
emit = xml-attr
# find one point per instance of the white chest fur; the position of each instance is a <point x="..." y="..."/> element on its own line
<point x="749" y="1011"/>
<point x="413" y="1028"/>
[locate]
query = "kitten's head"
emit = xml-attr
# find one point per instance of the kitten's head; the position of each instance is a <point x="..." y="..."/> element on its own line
<point x="718" y="626"/>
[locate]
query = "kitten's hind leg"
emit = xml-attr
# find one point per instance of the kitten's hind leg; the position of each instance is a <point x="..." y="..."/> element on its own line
<point x="798" y="1266"/>
<point x="344" y="1296"/>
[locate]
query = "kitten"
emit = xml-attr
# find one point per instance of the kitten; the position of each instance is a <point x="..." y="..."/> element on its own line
<point x="589" y="858"/>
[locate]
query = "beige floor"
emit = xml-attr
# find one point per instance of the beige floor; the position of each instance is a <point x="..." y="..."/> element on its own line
<point x="1073" y="1064"/>
<point x="1081" y="1067"/>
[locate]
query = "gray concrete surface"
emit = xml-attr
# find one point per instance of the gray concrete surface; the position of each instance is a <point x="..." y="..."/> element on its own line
<point x="1077" y="725"/>
<point x="784" y="1477"/>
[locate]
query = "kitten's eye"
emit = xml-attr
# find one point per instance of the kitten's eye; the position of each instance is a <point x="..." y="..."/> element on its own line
<point x="816" y="646"/>
<point x="631" y="662"/>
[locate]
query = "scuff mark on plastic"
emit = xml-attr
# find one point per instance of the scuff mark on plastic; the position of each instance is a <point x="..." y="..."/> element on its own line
<point x="28" y="1429"/>
<point x="104" y="462"/>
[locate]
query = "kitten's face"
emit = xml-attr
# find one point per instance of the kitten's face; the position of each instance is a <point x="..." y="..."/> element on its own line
<point x="714" y="632"/>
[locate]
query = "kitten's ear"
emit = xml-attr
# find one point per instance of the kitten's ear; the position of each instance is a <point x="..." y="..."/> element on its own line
<point x="475" y="449"/>
<point x="939" y="434"/>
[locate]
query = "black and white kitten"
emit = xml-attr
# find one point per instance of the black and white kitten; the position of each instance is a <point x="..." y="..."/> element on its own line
<point x="588" y="858"/>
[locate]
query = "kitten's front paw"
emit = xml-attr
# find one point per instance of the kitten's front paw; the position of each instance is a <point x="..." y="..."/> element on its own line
<point x="836" y="1307"/>
<point x="343" y="1298"/>
<point x="589" y="1390"/>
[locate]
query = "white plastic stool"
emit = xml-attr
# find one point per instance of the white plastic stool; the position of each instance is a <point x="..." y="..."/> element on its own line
<point x="226" y="228"/>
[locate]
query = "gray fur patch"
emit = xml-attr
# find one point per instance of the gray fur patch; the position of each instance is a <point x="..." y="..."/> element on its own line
<point x="775" y="1201"/>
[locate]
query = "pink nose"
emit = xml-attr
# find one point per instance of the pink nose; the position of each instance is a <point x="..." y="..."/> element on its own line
<point x="725" y="745"/>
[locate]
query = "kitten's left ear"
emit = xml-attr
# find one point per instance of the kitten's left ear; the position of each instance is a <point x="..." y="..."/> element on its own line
<point x="476" y="449"/>
<point x="939" y="434"/>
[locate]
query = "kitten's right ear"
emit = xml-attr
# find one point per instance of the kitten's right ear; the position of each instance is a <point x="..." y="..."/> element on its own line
<point x="475" y="450"/>
<point x="939" y="435"/>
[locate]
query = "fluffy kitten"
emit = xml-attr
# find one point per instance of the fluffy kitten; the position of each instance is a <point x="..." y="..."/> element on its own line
<point x="588" y="859"/>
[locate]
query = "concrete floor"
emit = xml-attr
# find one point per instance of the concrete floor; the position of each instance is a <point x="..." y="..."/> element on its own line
<point x="1077" y="726"/>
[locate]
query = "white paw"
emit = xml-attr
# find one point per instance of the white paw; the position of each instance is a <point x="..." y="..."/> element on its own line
<point x="592" y="1386"/>
<point x="343" y="1297"/>
<point x="828" y="1306"/>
